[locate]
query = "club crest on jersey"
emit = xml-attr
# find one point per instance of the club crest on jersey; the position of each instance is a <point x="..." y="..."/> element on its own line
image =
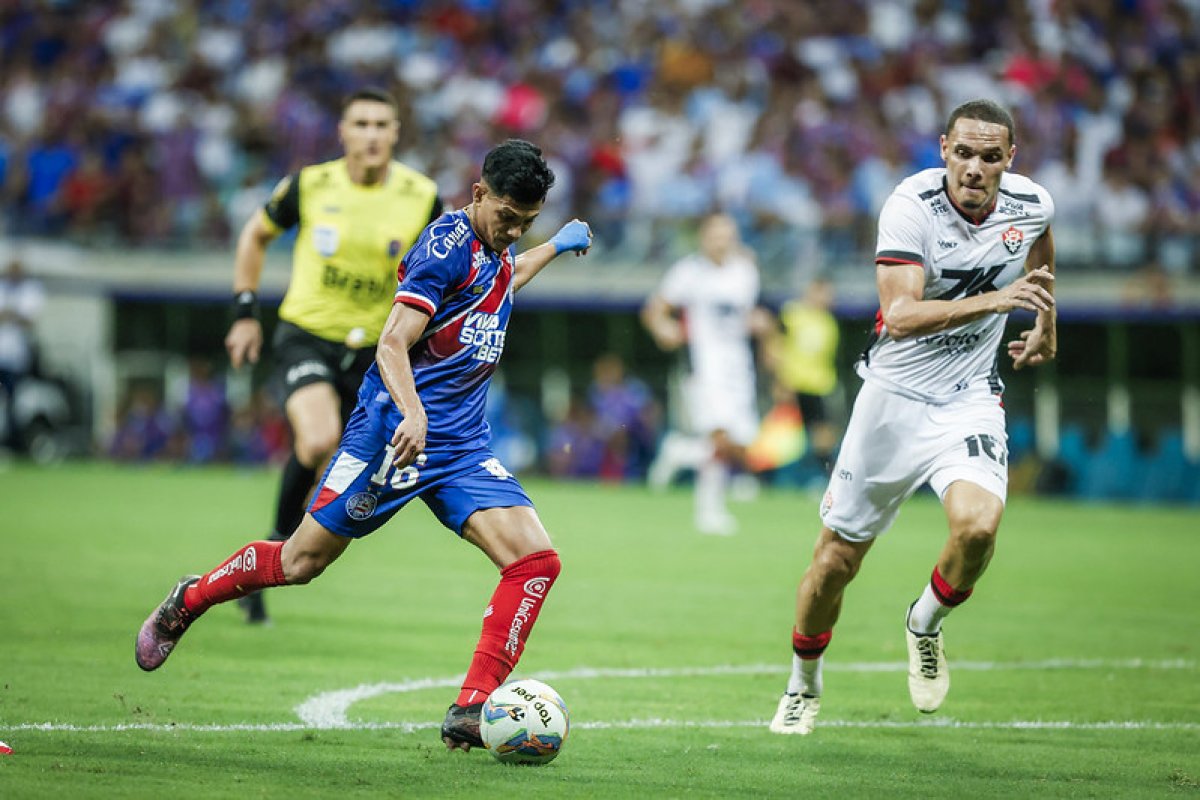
<point x="1012" y="239"/>
<point x="361" y="505"/>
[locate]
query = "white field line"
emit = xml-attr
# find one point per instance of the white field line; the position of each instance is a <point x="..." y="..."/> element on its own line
<point x="328" y="710"/>
<point x="630" y="724"/>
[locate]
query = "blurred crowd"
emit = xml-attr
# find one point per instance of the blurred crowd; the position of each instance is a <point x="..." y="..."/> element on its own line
<point x="155" y="122"/>
<point x="202" y="426"/>
<point x="609" y="431"/>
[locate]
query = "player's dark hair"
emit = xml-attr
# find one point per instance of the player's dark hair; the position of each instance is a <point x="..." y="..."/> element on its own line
<point x="516" y="169"/>
<point x="373" y="94"/>
<point x="984" y="111"/>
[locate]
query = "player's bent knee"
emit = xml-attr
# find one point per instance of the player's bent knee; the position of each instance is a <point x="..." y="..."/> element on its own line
<point x="310" y="550"/>
<point x="507" y="534"/>
<point x="313" y="449"/>
<point x="974" y="525"/>
<point x="301" y="568"/>
<point x="975" y="536"/>
<point x="835" y="567"/>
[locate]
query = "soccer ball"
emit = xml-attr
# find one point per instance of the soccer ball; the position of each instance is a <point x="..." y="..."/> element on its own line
<point x="524" y="722"/>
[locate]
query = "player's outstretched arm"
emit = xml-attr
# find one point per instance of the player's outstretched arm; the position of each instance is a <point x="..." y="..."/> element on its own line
<point x="1039" y="344"/>
<point x="403" y="328"/>
<point x="575" y="236"/>
<point x="245" y="337"/>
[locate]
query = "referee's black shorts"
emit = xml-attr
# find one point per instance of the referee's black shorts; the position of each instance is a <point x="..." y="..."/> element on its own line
<point x="812" y="407"/>
<point x="302" y="358"/>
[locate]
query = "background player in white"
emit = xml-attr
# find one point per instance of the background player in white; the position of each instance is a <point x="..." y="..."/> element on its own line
<point x="708" y="300"/>
<point x="958" y="248"/>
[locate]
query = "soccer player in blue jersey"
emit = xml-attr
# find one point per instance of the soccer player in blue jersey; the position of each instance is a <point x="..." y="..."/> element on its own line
<point x="419" y="431"/>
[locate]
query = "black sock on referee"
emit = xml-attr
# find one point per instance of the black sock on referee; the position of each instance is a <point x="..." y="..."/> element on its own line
<point x="294" y="487"/>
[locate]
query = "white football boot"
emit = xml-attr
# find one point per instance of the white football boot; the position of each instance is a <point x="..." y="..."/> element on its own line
<point x="797" y="713"/>
<point x="928" y="673"/>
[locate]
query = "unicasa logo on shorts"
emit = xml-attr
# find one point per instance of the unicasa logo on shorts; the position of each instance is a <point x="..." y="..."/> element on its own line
<point x="246" y="561"/>
<point x="535" y="590"/>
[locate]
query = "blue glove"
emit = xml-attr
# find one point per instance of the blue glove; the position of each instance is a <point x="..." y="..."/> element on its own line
<point x="575" y="236"/>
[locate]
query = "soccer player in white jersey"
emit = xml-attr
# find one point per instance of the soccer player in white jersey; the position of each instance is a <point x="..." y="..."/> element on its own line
<point x="958" y="248"/>
<point x="709" y="301"/>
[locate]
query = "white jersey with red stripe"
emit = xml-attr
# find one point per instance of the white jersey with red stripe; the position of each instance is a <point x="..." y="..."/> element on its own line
<point x="921" y="225"/>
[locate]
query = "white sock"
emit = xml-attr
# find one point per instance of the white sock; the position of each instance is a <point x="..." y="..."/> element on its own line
<point x="676" y="453"/>
<point x="927" y="613"/>
<point x="806" y="676"/>
<point x="711" y="483"/>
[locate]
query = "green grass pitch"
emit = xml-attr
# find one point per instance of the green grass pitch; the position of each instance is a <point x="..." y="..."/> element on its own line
<point x="1076" y="665"/>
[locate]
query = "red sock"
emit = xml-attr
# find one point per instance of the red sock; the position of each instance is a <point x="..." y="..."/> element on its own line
<point x="258" y="565"/>
<point x="507" y="621"/>
<point x="946" y="594"/>
<point x="810" y="647"/>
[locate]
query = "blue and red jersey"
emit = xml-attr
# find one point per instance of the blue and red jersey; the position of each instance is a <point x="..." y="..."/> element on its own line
<point x="466" y="288"/>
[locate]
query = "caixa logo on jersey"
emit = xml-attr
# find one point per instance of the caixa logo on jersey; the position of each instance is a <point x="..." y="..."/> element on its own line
<point x="362" y="505"/>
<point x="1012" y="239"/>
<point x="441" y="241"/>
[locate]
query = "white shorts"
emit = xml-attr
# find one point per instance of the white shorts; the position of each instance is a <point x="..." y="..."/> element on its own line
<point x="723" y="406"/>
<point x="894" y="445"/>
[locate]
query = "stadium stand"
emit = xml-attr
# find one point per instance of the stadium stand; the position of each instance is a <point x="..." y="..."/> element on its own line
<point x="150" y="122"/>
<point x="142" y="125"/>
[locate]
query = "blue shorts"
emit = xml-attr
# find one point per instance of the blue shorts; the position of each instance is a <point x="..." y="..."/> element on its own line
<point x="361" y="489"/>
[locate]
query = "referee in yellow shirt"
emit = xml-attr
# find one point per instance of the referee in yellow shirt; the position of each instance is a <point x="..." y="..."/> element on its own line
<point x="356" y="218"/>
<point x="807" y="363"/>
